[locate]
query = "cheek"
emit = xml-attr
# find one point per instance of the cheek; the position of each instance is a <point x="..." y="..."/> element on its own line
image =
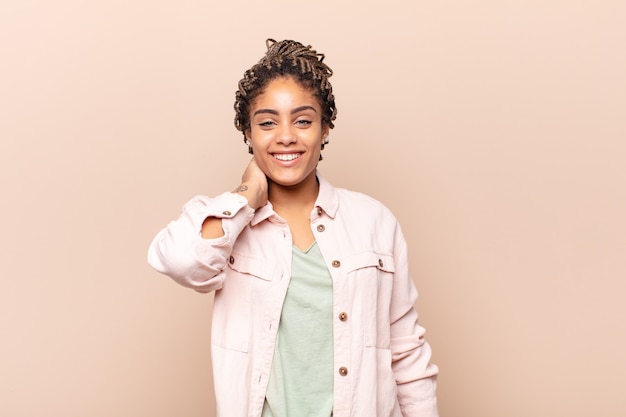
<point x="259" y="138"/>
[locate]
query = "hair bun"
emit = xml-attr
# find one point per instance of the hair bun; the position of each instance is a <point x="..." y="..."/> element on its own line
<point x="291" y="49"/>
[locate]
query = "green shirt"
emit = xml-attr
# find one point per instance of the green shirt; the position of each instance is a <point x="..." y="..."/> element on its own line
<point x="301" y="380"/>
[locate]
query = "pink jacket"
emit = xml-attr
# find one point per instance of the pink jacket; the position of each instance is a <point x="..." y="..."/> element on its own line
<point x="382" y="361"/>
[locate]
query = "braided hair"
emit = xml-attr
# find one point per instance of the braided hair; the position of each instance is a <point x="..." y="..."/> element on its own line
<point x="286" y="59"/>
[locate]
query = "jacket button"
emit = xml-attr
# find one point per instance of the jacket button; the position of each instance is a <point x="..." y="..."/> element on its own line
<point x="231" y="260"/>
<point x="321" y="228"/>
<point x="343" y="316"/>
<point x="226" y="213"/>
<point x="343" y="371"/>
<point x="380" y="263"/>
<point x="336" y="264"/>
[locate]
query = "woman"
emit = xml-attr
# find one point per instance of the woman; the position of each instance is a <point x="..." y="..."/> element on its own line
<point x="313" y="312"/>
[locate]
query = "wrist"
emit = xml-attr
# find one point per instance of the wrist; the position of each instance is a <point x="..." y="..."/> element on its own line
<point x="253" y="195"/>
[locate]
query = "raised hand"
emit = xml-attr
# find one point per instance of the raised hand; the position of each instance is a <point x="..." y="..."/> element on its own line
<point x="253" y="185"/>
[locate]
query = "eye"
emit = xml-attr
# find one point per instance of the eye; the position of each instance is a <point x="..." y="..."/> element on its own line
<point x="266" y="124"/>
<point x="303" y="122"/>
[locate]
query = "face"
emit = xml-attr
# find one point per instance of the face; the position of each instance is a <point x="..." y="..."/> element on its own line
<point x="286" y="133"/>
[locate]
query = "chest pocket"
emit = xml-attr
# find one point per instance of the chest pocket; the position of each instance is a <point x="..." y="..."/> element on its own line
<point x="370" y="279"/>
<point x="248" y="265"/>
<point x="370" y="259"/>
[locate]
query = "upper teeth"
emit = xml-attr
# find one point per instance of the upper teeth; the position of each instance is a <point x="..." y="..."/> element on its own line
<point x="286" y="156"/>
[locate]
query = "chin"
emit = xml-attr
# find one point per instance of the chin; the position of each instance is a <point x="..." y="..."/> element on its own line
<point x="290" y="181"/>
<point x="286" y="182"/>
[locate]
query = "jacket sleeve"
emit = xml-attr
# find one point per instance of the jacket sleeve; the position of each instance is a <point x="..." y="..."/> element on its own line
<point x="180" y="252"/>
<point x="414" y="373"/>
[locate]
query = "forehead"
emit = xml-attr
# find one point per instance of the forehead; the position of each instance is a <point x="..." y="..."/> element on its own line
<point x="285" y="91"/>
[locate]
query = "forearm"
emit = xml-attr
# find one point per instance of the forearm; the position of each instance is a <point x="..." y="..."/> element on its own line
<point x="212" y="226"/>
<point x="416" y="376"/>
<point x="411" y="355"/>
<point x="180" y="251"/>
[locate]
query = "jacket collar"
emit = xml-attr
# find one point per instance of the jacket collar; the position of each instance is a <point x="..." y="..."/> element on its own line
<point x="327" y="200"/>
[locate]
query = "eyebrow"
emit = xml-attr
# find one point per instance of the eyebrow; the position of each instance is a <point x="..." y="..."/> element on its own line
<point x="296" y="110"/>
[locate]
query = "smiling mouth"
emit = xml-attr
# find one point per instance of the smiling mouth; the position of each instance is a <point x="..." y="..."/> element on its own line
<point x="286" y="156"/>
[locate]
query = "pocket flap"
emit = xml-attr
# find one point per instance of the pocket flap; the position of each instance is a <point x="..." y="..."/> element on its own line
<point x="370" y="259"/>
<point x="253" y="266"/>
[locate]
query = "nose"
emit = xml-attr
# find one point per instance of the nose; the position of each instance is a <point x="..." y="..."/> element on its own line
<point x="286" y="134"/>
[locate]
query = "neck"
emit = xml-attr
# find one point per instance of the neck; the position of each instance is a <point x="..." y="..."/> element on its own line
<point x="299" y="197"/>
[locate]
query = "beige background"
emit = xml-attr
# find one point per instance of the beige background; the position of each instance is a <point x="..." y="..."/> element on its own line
<point x="494" y="130"/>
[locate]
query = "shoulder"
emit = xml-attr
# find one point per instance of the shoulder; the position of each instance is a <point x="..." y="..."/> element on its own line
<point x="351" y="202"/>
<point x="367" y="223"/>
<point x="350" y="205"/>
